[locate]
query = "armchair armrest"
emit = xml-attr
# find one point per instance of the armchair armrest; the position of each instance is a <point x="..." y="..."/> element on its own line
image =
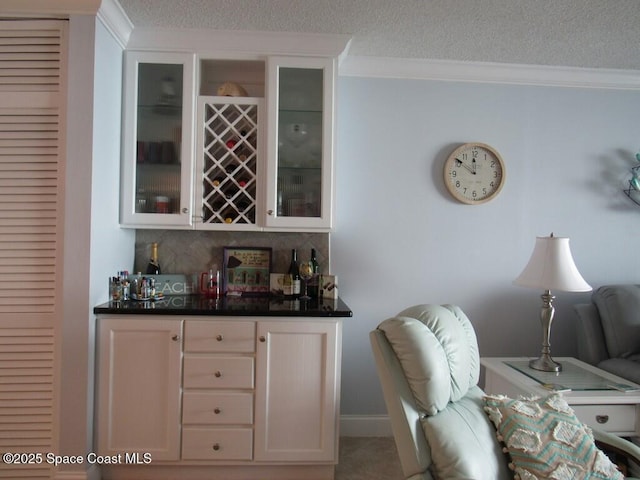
<point x="614" y="444"/>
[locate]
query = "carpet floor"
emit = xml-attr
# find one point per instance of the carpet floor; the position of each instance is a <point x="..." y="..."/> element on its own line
<point x="368" y="458"/>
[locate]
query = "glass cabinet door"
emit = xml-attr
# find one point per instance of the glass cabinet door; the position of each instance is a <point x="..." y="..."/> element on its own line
<point x="300" y="143"/>
<point x="157" y="139"/>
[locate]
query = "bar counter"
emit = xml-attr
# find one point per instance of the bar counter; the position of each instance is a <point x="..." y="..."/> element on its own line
<point x="228" y="306"/>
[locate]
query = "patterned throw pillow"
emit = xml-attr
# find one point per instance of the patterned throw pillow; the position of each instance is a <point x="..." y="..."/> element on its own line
<point x="546" y="440"/>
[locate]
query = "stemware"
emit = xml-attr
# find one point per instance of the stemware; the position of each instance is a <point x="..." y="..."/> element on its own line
<point x="307" y="272"/>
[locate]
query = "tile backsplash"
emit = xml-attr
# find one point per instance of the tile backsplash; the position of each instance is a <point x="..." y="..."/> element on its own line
<point x="187" y="252"/>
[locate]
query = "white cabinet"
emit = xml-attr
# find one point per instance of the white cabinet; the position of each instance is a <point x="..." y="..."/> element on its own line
<point x="259" y="394"/>
<point x="157" y="140"/>
<point x="195" y="160"/>
<point x="297" y="390"/>
<point x="138" y="389"/>
<point x="300" y="143"/>
<point x="229" y="163"/>
<point x="217" y="412"/>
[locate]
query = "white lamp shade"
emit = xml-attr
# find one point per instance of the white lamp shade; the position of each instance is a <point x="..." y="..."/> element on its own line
<point x="551" y="267"/>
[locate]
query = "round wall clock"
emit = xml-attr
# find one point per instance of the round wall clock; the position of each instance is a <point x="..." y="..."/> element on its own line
<point x="474" y="173"/>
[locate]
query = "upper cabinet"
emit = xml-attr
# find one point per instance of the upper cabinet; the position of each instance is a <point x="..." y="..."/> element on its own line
<point x="257" y="157"/>
<point x="157" y="144"/>
<point x="300" y="143"/>
<point x="230" y="158"/>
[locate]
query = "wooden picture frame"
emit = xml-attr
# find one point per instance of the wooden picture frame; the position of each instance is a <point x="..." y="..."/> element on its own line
<point x="246" y="270"/>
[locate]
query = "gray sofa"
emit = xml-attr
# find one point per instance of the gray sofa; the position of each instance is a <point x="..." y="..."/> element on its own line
<point x="609" y="330"/>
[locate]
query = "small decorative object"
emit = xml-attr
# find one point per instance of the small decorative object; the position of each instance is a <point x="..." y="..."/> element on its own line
<point x="328" y="286"/>
<point x="246" y="270"/>
<point x="210" y="283"/>
<point x="168" y="100"/>
<point x="551" y="267"/>
<point x="232" y="89"/>
<point x="277" y="284"/>
<point x="633" y="192"/>
<point x="474" y="173"/>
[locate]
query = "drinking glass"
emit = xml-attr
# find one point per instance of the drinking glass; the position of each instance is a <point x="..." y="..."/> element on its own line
<point x="306" y="273"/>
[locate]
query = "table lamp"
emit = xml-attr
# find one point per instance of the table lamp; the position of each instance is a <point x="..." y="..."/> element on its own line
<point x="550" y="267"/>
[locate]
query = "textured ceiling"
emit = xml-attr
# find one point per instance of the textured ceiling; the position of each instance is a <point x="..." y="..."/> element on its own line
<point x="577" y="33"/>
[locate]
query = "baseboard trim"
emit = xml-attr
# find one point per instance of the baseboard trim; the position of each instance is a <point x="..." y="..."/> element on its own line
<point x="365" y="426"/>
<point x="71" y="476"/>
<point x="92" y="473"/>
<point x="350" y="426"/>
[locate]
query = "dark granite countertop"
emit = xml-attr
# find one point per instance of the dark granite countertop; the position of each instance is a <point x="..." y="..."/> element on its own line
<point x="233" y="306"/>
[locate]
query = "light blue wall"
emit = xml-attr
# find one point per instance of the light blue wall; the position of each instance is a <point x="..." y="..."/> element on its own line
<point x="401" y="240"/>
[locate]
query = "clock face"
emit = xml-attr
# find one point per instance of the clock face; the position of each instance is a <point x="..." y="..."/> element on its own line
<point x="474" y="173"/>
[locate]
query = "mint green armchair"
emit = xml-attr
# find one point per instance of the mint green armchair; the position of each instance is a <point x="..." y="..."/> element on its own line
<point x="428" y="363"/>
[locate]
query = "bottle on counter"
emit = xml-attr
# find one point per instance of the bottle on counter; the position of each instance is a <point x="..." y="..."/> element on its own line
<point x="126" y="287"/>
<point x="294" y="273"/>
<point x="153" y="267"/>
<point x="315" y="280"/>
<point x="136" y="286"/>
<point x="287" y="285"/>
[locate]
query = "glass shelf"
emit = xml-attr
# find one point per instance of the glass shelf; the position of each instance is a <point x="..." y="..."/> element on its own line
<point x="571" y="376"/>
<point x="299" y="186"/>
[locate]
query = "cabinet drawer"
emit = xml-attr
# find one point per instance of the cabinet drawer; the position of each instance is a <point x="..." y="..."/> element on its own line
<point x="217" y="408"/>
<point x="214" y="337"/>
<point x="218" y="372"/>
<point x="217" y="444"/>
<point x="610" y="418"/>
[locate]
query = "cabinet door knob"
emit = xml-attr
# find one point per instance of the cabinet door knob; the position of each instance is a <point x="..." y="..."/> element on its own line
<point x="602" y="418"/>
<point x="219" y="338"/>
<point x="175" y="338"/>
<point x="185" y="210"/>
<point x="217" y="411"/>
<point x="216" y="446"/>
<point x="218" y="373"/>
<point x="262" y="338"/>
<point x="270" y="212"/>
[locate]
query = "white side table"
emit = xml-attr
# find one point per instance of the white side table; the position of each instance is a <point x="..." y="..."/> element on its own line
<point x="600" y="408"/>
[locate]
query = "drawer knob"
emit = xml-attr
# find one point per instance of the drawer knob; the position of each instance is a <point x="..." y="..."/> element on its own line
<point x="217" y="411"/>
<point x="602" y="418"/>
<point x="216" y="446"/>
<point x="219" y="338"/>
<point x="262" y="338"/>
<point x="218" y="373"/>
<point x="175" y="338"/>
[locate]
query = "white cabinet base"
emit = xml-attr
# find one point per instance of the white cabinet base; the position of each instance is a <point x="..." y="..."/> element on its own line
<point x="250" y="399"/>
<point x="220" y="472"/>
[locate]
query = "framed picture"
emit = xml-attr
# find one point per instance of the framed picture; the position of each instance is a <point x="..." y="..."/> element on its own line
<point x="245" y="271"/>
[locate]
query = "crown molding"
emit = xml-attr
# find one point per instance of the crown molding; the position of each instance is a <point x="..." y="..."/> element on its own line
<point x="116" y="21"/>
<point x="480" y="72"/>
<point x="235" y="42"/>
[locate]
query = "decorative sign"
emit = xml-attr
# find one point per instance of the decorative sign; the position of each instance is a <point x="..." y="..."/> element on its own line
<point x="246" y="270"/>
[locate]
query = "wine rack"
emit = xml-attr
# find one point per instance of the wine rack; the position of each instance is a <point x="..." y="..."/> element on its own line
<point x="230" y="160"/>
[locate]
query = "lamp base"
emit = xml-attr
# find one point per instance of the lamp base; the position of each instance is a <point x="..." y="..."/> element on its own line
<point x="545" y="364"/>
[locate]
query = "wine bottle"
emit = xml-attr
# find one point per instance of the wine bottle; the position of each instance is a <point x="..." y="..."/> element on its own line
<point x="294" y="271"/>
<point x="153" y="267"/>
<point x="313" y="283"/>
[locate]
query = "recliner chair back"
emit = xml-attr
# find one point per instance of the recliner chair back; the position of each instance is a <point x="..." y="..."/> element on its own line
<point x="429" y="366"/>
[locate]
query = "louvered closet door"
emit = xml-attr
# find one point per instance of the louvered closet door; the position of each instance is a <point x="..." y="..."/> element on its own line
<point x="31" y="201"/>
